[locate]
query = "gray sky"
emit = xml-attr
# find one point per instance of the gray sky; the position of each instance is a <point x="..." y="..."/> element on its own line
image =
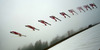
<point x="15" y="14"/>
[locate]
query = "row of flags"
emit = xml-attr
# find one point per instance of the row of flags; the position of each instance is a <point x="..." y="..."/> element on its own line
<point x="56" y="19"/>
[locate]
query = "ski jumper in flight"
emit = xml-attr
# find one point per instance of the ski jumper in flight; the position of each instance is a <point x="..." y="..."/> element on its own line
<point x="93" y="5"/>
<point x="55" y="18"/>
<point x="72" y="11"/>
<point x="44" y="22"/>
<point x="16" y="33"/>
<point x="64" y="14"/>
<point x="80" y="9"/>
<point x="33" y="28"/>
<point x="87" y="7"/>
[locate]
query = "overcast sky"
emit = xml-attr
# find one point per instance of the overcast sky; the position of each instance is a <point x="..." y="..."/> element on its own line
<point x="15" y="14"/>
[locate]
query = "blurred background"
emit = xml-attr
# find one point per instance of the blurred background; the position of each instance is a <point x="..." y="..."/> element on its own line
<point x="15" y="14"/>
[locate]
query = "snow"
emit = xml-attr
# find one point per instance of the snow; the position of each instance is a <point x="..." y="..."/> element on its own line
<point x="87" y="40"/>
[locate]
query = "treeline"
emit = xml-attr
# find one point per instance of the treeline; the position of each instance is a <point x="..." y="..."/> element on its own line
<point x="39" y="45"/>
